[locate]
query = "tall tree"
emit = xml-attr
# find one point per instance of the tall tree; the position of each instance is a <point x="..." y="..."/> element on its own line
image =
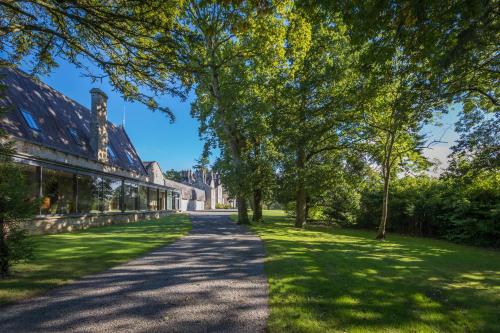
<point x="216" y="43"/>
<point x="316" y="106"/>
<point x="402" y="103"/>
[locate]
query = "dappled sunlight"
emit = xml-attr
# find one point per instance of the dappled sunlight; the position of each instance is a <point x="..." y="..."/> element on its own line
<point x="60" y="258"/>
<point x="346" y="281"/>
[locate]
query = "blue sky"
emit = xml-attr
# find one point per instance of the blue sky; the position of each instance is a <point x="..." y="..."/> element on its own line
<point x="174" y="146"/>
<point x="177" y="145"/>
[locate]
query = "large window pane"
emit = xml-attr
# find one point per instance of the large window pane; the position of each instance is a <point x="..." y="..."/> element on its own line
<point x="58" y="192"/>
<point x="31" y="181"/>
<point x="153" y="199"/>
<point x="131" y="199"/>
<point x="111" y="194"/>
<point x="143" y="198"/>
<point x="169" y="200"/>
<point x="88" y="194"/>
<point x="162" y="199"/>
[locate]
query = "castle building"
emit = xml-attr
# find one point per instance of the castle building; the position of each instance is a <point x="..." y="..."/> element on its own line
<point x="215" y="194"/>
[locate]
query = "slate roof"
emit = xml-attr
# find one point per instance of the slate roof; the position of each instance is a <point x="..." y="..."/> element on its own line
<point x="55" y="113"/>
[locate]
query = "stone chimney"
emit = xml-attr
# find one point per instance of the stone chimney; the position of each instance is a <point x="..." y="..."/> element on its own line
<point x="98" y="125"/>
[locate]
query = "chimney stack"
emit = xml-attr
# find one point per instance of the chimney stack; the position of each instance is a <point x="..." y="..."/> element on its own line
<point x="98" y="125"/>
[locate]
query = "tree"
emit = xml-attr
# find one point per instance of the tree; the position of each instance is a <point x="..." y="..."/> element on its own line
<point x="454" y="44"/>
<point x="174" y="175"/>
<point x="120" y="37"/>
<point x="215" y="43"/>
<point x="316" y="108"/>
<point x="402" y="103"/>
<point x="478" y="148"/>
<point x="14" y="205"/>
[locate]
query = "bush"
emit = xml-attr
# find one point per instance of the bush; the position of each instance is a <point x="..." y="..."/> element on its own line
<point x="462" y="210"/>
<point x="15" y="246"/>
<point x="222" y="206"/>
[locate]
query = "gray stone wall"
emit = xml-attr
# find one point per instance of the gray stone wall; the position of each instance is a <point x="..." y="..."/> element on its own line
<point x="68" y="223"/>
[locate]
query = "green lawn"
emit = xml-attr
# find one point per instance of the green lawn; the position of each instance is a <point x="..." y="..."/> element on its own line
<point x="61" y="258"/>
<point x="337" y="280"/>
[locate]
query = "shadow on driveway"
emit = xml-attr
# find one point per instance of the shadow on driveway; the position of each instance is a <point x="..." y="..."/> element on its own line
<point x="209" y="281"/>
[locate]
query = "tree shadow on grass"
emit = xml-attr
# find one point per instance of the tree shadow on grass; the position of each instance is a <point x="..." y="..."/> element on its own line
<point x="344" y="280"/>
<point x="210" y="281"/>
<point x="60" y="258"/>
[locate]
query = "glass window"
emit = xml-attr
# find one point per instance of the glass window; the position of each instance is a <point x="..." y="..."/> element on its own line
<point x="161" y="200"/>
<point x="131" y="199"/>
<point x="153" y="199"/>
<point x="143" y="198"/>
<point x="129" y="157"/>
<point x="88" y="194"/>
<point x="169" y="200"/>
<point x="30" y="120"/>
<point x="58" y="192"/>
<point x="111" y="153"/>
<point x="111" y="194"/>
<point x="29" y="173"/>
<point x="176" y="203"/>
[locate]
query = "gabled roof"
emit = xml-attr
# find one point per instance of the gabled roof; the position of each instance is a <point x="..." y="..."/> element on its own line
<point x="55" y="114"/>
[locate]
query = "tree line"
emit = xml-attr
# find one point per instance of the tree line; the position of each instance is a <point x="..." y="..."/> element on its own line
<point x="304" y="99"/>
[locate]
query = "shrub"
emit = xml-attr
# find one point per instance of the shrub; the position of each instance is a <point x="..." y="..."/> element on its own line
<point x="15" y="246"/>
<point x="462" y="210"/>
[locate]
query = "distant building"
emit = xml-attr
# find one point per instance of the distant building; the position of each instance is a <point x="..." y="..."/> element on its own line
<point x="190" y="199"/>
<point x="210" y="182"/>
<point x="83" y="169"/>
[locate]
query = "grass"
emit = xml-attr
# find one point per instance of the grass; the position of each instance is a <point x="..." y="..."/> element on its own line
<point x="61" y="258"/>
<point x="342" y="280"/>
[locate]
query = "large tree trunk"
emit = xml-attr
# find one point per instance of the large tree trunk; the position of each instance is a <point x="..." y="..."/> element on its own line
<point x="301" y="196"/>
<point x="385" y="206"/>
<point x="257" y="205"/>
<point x="242" y="210"/>
<point x="232" y="139"/>
<point x="4" y="250"/>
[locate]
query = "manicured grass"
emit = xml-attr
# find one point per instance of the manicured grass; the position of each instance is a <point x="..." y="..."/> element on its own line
<point x="338" y="280"/>
<point x="61" y="258"/>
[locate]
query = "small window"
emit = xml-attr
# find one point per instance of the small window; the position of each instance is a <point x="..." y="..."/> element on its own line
<point x="28" y="117"/>
<point x="74" y="134"/>
<point x="130" y="158"/>
<point x="111" y="153"/>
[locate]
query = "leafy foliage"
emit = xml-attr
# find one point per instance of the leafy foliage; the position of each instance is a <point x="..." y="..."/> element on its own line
<point x="120" y="37"/>
<point x="461" y="209"/>
<point x="14" y="206"/>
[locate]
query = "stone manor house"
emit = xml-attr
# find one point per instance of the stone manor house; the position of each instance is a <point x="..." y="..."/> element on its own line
<point x="84" y="169"/>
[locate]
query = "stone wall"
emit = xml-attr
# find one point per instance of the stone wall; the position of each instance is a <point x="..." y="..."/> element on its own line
<point x="68" y="223"/>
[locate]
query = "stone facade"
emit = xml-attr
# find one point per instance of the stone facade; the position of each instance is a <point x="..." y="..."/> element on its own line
<point x="210" y="182"/>
<point x="68" y="223"/>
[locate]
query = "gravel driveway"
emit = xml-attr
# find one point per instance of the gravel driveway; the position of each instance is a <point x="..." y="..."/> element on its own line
<point x="209" y="281"/>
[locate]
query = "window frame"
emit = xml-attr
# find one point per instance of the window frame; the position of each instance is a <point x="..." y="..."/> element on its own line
<point x="30" y="120"/>
<point x="111" y="152"/>
<point x="129" y="157"/>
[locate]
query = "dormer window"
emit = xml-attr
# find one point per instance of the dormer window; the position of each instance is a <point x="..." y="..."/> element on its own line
<point x="111" y="153"/>
<point x="28" y="117"/>
<point x="130" y="158"/>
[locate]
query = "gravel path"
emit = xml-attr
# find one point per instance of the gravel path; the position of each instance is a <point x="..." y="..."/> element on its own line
<point x="209" y="281"/>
